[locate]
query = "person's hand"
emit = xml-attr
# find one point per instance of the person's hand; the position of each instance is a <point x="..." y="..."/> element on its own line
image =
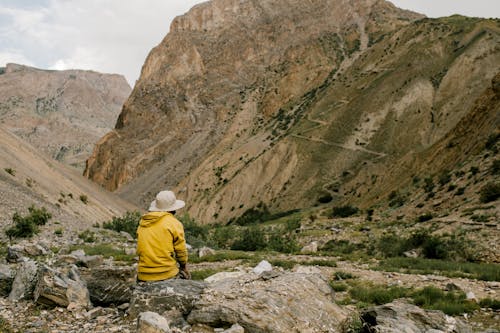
<point x="185" y="273"/>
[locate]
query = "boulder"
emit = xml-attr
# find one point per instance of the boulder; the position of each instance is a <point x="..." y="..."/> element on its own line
<point x="290" y="302"/>
<point x="25" y="281"/>
<point x="224" y="275"/>
<point x="263" y="266"/>
<point x="110" y="284"/>
<point x="6" y="279"/>
<point x="56" y="288"/>
<point x="400" y="316"/>
<point x="15" y="253"/>
<point x="152" y="322"/>
<point x="205" y="251"/>
<point x="236" y="328"/>
<point x="165" y="295"/>
<point x="310" y="248"/>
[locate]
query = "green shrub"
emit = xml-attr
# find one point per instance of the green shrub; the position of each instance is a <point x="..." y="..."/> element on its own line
<point x="338" y="286"/>
<point x="495" y="167"/>
<point x="444" y="178"/>
<point x="460" y="191"/>
<point x="10" y="171"/>
<point x="128" y="223"/>
<point x="340" y="246"/>
<point x="58" y="232"/>
<point x="341" y="275"/>
<point x="27" y="226"/>
<point x="396" y="199"/>
<point x="250" y="239"/>
<point x="344" y="211"/>
<point x="203" y="273"/>
<point x="451" y="303"/>
<point x="258" y="214"/>
<point x="87" y="236"/>
<point x="425" y="217"/>
<point x="281" y="242"/>
<point x="490" y="192"/>
<point x="377" y="294"/>
<point x="428" y="184"/>
<point x="84" y="198"/>
<point x="492" y="141"/>
<point x="325" y="198"/>
<point x="474" y="170"/>
<point x="493" y="304"/>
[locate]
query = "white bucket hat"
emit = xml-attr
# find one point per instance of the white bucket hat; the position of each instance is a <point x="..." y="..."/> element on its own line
<point x="166" y="202"/>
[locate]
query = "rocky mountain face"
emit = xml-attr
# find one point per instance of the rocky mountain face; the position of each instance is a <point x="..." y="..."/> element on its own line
<point x="62" y="113"/>
<point x="283" y="102"/>
<point x="29" y="178"/>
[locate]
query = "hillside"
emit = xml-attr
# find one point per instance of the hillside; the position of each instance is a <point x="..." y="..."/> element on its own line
<point x="214" y="87"/>
<point x="29" y="178"/>
<point x="62" y="113"/>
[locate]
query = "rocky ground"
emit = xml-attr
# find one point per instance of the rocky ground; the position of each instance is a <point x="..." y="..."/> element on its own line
<point x="116" y="301"/>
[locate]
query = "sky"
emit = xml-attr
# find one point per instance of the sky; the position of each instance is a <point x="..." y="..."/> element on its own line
<point x="115" y="36"/>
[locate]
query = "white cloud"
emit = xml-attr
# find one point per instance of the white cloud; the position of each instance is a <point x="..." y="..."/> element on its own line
<point x="13" y="56"/>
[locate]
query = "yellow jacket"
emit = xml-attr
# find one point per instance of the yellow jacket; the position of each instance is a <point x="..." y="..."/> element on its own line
<point x="160" y="245"/>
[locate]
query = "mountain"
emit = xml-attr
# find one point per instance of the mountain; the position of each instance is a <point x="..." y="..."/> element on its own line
<point x="280" y="103"/>
<point x="62" y="113"/>
<point x="28" y="178"/>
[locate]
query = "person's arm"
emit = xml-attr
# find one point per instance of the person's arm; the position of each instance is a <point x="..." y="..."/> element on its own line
<point x="181" y="253"/>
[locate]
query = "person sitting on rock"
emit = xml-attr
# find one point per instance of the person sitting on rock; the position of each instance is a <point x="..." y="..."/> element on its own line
<point x="160" y="241"/>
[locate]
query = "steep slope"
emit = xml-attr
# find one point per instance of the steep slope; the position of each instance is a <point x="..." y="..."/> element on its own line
<point x="62" y="113"/>
<point x="352" y="106"/>
<point x="222" y="73"/>
<point x="29" y="178"/>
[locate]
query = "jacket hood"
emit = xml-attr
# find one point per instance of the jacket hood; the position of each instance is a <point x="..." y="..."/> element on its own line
<point x="151" y="218"/>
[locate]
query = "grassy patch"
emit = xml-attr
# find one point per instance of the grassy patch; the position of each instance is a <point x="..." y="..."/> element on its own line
<point x="376" y="294"/>
<point x="490" y="303"/>
<point x="451" y="303"/>
<point x="203" y="273"/>
<point x="106" y="251"/>
<point x="128" y="223"/>
<point x="479" y="271"/>
<point x="223" y="256"/>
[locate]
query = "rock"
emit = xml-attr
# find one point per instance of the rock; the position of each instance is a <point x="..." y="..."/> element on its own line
<point x="35" y="250"/>
<point x="452" y="287"/>
<point x="310" y="248"/>
<point x="94" y="313"/>
<point x="306" y="269"/>
<point x="411" y="254"/>
<point x="151" y="322"/>
<point x="25" y="281"/>
<point x="263" y="266"/>
<point x="205" y="251"/>
<point x="290" y="302"/>
<point x="90" y="261"/>
<point x="470" y="296"/>
<point x="61" y="289"/>
<point x="223" y="275"/>
<point x="236" y="328"/>
<point x="176" y="319"/>
<point x="6" y="279"/>
<point x="110" y="285"/>
<point x="400" y="316"/>
<point x="165" y="295"/>
<point x="14" y="253"/>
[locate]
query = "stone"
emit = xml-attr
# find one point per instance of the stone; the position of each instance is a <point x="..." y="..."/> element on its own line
<point x="411" y="254"/>
<point x="56" y="288"/>
<point x="291" y="302"/>
<point x="452" y="287"/>
<point x="400" y="316"/>
<point x="263" y="266"/>
<point x="151" y="322"/>
<point x="24" y="281"/>
<point x="165" y="295"/>
<point x="90" y="261"/>
<point x="470" y="296"/>
<point x="6" y="280"/>
<point x="224" y="275"/>
<point x="310" y="248"/>
<point x="35" y="250"/>
<point x="110" y="284"/>
<point x="205" y="251"/>
<point x="94" y="313"/>
<point x="236" y="328"/>
<point x="14" y="253"/>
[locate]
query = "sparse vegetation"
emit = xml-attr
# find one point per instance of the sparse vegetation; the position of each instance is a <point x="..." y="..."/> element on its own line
<point x="128" y="223"/>
<point x="344" y="211"/>
<point x="451" y="303"/>
<point x="490" y="192"/>
<point x="10" y="171"/>
<point x="87" y="236"/>
<point x="425" y="217"/>
<point x="27" y="226"/>
<point x="106" y="251"/>
<point x="490" y="303"/>
<point x="84" y="198"/>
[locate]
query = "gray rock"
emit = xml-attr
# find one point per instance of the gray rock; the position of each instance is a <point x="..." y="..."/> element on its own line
<point x="15" y="253"/>
<point x="151" y="322"/>
<point x="290" y="302"/>
<point x="110" y="285"/>
<point x="399" y="316"/>
<point x="236" y="328"/>
<point x="6" y="279"/>
<point x="262" y="267"/>
<point x="165" y="295"/>
<point x="90" y="261"/>
<point x="205" y="251"/>
<point x="61" y="288"/>
<point x="310" y="248"/>
<point x="25" y="281"/>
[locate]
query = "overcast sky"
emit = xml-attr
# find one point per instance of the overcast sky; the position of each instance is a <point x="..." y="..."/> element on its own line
<point x="115" y="36"/>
